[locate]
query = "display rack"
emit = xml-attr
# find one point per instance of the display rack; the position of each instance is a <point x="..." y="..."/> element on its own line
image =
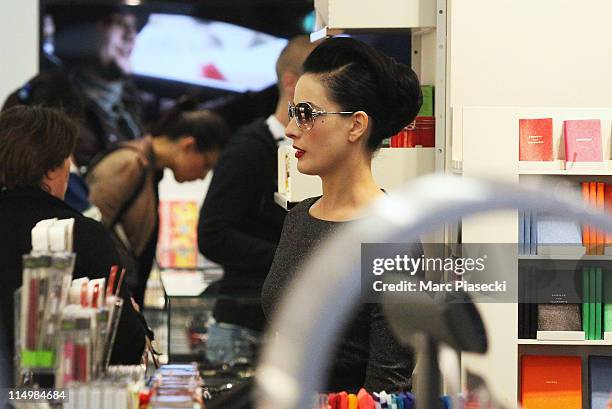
<point x="489" y="140"/>
<point x="191" y="297"/>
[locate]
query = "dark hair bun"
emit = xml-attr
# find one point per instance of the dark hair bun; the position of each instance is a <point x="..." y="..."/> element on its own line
<point x="408" y="97"/>
<point x="170" y="117"/>
<point x="360" y="78"/>
<point x="185" y="119"/>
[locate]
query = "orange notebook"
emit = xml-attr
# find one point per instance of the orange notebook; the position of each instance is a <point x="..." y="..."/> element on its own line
<point x="585" y="227"/>
<point x="608" y="207"/>
<point x="592" y="230"/>
<point x="600" y="207"/>
<point x="551" y="382"/>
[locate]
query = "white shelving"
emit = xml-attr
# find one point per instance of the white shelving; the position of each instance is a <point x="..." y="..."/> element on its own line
<point x="569" y="258"/>
<point x="591" y="172"/>
<point x="457" y="167"/>
<point x="340" y="16"/>
<point x="488" y="141"/>
<point x="282" y="200"/>
<point x="562" y="168"/>
<point x="474" y="124"/>
<point x="574" y="343"/>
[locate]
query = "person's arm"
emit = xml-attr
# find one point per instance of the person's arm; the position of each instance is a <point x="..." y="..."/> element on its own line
<point x="230" y="196"/>
<point x="95" y="256"/>
<point x="130" y="340"/>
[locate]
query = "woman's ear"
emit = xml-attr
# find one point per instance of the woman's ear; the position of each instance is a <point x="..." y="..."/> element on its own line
<point x="359" y="126"/>
<point x="188" y="143"/>
<point x="55" y="181"/>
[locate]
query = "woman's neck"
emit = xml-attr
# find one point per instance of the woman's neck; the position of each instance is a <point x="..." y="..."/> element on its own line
<point x="163" y="152"/>
<point x="347" y="190"/>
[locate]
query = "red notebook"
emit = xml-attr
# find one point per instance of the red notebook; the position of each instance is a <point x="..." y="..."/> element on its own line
<point x="535" y="139"/>
<point x="551" y="382"/>
<point x="582" y="140"/>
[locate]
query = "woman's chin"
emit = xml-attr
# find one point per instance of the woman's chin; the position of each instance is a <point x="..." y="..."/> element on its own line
<point x="306" y="170"/>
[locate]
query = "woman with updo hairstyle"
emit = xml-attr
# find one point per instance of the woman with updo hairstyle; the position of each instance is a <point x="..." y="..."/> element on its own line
<point x="348" y="100"/>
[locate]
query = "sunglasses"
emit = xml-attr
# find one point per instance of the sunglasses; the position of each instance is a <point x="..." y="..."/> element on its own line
<point x="305" y="114"/>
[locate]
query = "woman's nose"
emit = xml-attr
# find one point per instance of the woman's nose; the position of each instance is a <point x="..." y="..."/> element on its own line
<point x="292" y="130"/>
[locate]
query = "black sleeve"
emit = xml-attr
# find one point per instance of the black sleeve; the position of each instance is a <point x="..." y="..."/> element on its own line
<point x="231" y="194"/>
<point x="94" y="249"/>
<point x="283" y="267"/>
<point x="130" y="340"/>
<point x="390" y="364"/>
<point x="95" y="256"/>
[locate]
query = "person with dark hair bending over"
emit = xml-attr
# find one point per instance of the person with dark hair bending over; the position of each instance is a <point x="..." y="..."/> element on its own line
<point x="124" y="183"/>
<point x="35" y="146"/>
<point x="349" y="98"/>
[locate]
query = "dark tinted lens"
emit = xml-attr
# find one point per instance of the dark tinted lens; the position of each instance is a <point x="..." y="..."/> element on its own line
<point x="304" y="115"/>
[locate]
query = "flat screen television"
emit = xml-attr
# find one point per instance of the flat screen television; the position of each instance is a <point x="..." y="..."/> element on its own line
<point x="178" y="48"/>
<point x="210" y="47"/>
<point x="206" y="53"/>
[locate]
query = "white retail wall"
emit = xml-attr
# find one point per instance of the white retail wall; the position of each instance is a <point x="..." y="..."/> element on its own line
<point x="531" y="53"/>
<point x="18" y="44"/>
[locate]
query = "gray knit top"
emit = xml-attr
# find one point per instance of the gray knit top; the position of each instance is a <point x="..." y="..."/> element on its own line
<point x="367" y="354"/>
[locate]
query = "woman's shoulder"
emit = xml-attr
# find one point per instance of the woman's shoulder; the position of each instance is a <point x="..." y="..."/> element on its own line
<point x="137" y="153"/>
<point x="302" y="208"/>
<point x="123" y="164"/>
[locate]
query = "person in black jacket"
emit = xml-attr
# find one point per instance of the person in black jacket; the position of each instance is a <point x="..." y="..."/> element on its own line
<point x="240" y="224"/>
<point x="91" y="77"/>
<point x="35" y="146"/>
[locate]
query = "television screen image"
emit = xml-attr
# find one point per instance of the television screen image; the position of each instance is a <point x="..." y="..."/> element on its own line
<point x="206" y="53"/>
